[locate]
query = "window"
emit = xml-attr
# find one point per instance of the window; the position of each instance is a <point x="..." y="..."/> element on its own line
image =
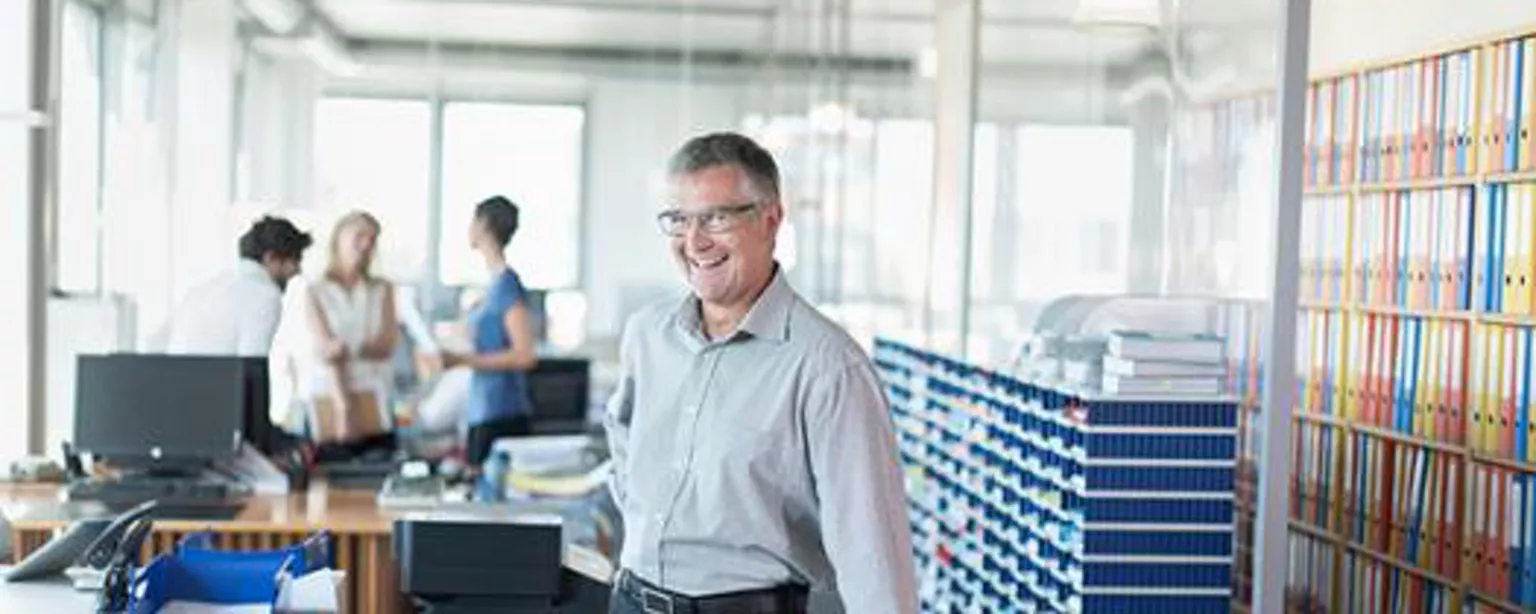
<point x="531" y="154"/>
<point x="904" y="189"/>
<point x="136" y="235"/>
<point x="375" y="155"/>
<point x="1075" y="180"/>
<point x="78" y="233"/>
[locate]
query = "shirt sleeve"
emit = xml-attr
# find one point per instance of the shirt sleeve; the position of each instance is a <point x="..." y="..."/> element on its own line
<point x="860" y="491"/>
<point x="617" y="417"/>
<point x="258" y="324"/>
<point x="510" y="288"/>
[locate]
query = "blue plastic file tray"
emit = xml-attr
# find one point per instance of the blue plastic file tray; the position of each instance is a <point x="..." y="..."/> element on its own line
<point x="1158" y="604"/>
<point x="1157" y="511"/>
<point x="1216" y="414"/>
<point x="1162" y="446"/>
<point x="1161" y="479"/>
<point x="1157" y="575"/>
<point x="1159" y="543"/>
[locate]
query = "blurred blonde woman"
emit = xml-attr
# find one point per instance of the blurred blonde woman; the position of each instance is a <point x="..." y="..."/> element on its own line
<point x="351" y="317"/>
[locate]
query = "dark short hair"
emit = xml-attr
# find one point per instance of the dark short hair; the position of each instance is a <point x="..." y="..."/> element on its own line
<point x="728" y="148"/>
<point x="276" y="236"/>
<point x="499" y="216"/>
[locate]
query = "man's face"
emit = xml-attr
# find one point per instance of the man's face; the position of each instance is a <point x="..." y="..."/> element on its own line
<point x="724" y="245"/>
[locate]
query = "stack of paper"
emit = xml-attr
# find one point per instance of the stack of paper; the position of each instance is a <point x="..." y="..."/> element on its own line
<point x="1145" y="363"/>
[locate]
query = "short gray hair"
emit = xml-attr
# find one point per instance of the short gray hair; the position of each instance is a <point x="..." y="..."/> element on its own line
<point x="729" y="148"/>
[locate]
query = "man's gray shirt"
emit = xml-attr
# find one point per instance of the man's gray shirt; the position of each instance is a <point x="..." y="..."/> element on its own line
<point x="757" y="460"/>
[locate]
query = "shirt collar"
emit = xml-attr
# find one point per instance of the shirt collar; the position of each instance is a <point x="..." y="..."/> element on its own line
<point x="768" y="319"/>
<point x="251" y="268"/>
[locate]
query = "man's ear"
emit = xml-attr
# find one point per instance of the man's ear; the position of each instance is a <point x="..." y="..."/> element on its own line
<point x="774" y="215"/>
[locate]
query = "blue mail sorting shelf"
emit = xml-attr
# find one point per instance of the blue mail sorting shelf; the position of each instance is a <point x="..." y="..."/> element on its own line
<point x="1033" y="498"/>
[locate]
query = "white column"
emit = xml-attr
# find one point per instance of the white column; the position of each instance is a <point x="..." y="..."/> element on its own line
<point x="24" y="74"/>
<point x="276" y="161"/>
<point x="203" y="142"/>
<point x="1280" y="373"/>
<point x="1144" y="259"/>
<point x="957" y="30"/>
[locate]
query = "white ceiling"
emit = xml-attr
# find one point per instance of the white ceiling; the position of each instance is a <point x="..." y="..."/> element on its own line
<point x="1029" y="32"/>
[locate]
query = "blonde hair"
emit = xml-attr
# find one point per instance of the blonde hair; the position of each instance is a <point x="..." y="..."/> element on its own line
<point x="333" y="266"/>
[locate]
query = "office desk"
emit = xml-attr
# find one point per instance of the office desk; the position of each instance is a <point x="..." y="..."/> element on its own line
<point x="44" y="596"/>
<point x="361" y="533"/>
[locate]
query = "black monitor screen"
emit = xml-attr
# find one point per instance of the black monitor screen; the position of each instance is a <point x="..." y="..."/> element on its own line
<point x="159" y="408"/>
<point x="559" y="389"/>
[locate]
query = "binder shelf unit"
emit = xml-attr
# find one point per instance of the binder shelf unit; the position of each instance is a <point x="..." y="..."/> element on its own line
<point x="1033" y="498"/>
<point x="1412" y="486"/>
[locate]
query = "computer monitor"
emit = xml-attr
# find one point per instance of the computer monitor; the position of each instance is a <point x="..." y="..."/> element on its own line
<point x="160" y="411"/>
<point x="256" y="405"/>
<point x="560" y="389"/>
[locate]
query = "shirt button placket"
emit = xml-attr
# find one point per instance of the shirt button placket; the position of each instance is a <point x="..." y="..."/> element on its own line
<point x="704" y="365"/>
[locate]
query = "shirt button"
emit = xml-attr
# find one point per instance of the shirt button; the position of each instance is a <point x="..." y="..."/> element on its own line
<point x="691" y="409"/>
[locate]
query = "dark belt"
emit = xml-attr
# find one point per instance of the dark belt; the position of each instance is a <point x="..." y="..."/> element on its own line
<point x="787" y="599"/>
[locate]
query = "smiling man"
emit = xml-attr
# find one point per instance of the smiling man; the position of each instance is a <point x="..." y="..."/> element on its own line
<point x="754" y="456"/>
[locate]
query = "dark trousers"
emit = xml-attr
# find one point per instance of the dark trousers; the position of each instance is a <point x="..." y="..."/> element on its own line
<point x="624" y="603"/>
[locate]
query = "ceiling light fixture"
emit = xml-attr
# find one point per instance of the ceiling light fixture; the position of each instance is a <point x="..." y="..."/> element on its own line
<point x="1119" y="14"/>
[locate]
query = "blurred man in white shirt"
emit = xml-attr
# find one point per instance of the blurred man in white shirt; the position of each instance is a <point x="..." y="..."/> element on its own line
<point x="236" y="314"/>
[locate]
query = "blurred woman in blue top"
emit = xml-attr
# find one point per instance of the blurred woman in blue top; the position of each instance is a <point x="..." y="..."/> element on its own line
<point x="501" y="330"/>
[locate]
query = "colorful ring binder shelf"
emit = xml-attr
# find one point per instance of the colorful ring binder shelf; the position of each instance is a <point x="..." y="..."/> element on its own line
<point x="1414" y="487"/>
<point x="1033" y="498"/>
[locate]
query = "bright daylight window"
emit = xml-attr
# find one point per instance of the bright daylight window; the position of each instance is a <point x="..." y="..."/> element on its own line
<point x="1077" y="180"/>
<point x="79" y="213"/>
<point x="531" y="154"/>
<point x="375" y="155"/>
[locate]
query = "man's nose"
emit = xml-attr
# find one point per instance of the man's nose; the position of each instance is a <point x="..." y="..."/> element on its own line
<point x="694" y="235"/>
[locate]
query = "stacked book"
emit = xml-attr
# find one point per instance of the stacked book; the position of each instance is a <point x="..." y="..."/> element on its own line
<point x="1144" y="363"/>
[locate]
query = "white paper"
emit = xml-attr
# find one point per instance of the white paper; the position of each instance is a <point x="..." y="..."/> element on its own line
<point x="318" y="591"/>
<point x="195" y="607"/>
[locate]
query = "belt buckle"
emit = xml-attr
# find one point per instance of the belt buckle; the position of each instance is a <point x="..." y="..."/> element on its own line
<point x="649" y="600"/>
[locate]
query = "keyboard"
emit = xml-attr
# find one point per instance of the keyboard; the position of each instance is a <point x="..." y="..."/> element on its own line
<point x="357" y="474"/>
<point x="190" y="499"/>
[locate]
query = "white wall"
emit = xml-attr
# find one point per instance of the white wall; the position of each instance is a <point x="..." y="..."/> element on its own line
<point x="632" y="127"/>
<point x="1347" y="32"/>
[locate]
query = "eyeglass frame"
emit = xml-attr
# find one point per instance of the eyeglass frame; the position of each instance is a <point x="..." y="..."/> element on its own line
<point x="733" y="213"/>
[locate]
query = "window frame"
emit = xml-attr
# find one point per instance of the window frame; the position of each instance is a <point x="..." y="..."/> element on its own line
<point x="428" y="275"/>
<point x="438" y="104"/>
<point x="55" y="251"/>
<point x="579" y="281"/>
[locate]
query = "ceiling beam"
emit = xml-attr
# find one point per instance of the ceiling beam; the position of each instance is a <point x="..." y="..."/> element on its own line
<point x="677" y="7"/>
<point x="714" y="58"/>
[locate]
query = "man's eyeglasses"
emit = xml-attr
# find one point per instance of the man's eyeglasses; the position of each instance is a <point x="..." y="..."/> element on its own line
<point x="674" y="223"/>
